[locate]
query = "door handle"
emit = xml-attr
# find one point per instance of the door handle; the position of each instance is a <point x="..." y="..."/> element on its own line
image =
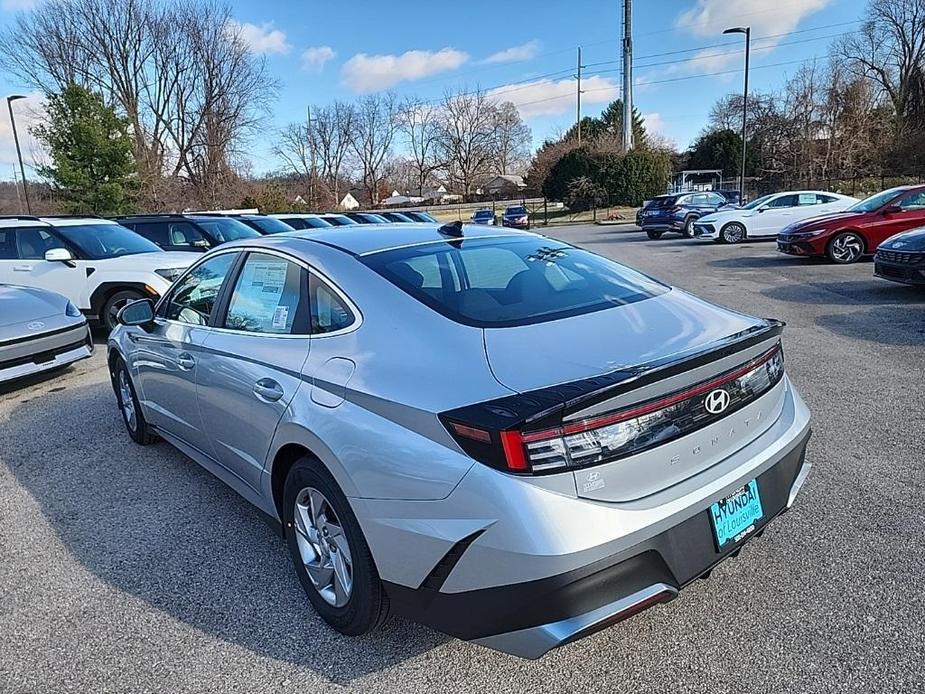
<point x="186" y="361"/>
<point x="22" y="268"/>
<point x="268" y="389"/>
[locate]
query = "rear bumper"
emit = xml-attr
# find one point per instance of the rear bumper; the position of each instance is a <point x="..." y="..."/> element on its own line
<point x="663" y="225"/>
<point x="898" y="272"/>
<point x="529" y="619"/>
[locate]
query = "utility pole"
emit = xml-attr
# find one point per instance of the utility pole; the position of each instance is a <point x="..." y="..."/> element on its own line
<point x="747" y="32"/>
<point x="627" y="75"/>
<point x="578" y="99"/>
<point x="16" y="186"/>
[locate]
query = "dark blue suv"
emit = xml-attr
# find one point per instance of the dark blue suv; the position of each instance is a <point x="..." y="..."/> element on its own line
<point x="678" y="212"/>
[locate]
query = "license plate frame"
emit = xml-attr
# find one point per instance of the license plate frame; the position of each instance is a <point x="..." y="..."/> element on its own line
<point x="736" y="516"/>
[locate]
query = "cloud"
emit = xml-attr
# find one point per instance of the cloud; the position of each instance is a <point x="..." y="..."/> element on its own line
<point x="654" y="123"/>
<point x="28" y="112"/>
<point x="708" y="19"/>
<point x="366" y="73"/>
<point x="262" y="39"/>
<point x="555" y="97"/>
<point x="515" y="54"/>
<point x="314" y="58"/>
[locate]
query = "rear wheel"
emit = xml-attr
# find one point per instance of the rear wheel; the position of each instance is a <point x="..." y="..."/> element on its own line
<point x="732" y="233"/>
<point x="846" y="247"/>
<point x="331" y="557"/>
<point x="115" y="303"/>
<point x="654" y="235"/>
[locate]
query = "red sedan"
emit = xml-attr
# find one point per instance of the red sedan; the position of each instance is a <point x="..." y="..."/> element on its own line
<point x="846" y="236"/>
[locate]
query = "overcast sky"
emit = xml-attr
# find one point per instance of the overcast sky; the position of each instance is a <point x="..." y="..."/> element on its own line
<point x="523" y="50"/>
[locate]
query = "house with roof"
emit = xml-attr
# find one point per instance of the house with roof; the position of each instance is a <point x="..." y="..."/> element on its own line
<point x="505" y="185"/>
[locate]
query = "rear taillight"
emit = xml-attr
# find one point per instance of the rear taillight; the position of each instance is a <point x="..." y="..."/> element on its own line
<point x="623" y="432"/>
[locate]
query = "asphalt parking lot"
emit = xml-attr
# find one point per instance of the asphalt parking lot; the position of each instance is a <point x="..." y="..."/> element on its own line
<point x="128" y="569"/>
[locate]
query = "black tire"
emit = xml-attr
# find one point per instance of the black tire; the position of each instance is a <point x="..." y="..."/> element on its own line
<point x="114" y="304"/>
<point x="136" y="427"/>
<point x="688" y="230"/>
<point x="368" y="605"/>
<point x="654" y="235"/>
<point x="733" y="233"/>
<point x="845" y="248"/>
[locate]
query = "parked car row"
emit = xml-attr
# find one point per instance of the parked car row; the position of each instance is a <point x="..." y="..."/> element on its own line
<point x="514" y="216"/>
<point x="90" y="268"/>
<point x="808" y="223"/>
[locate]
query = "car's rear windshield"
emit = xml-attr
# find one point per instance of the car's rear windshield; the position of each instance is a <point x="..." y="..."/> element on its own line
<point x="666" y="201"/>
<point x="495" y="283"/>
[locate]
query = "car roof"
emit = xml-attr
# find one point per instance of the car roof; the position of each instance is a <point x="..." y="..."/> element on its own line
<point x="365" y="239"/>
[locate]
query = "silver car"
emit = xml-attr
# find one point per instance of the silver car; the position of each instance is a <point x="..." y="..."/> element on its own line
<point x="39" y="331"/>
<point x="508" y="438"/>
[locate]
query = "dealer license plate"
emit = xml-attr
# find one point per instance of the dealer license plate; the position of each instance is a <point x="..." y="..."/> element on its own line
<point x="735" y="517"/>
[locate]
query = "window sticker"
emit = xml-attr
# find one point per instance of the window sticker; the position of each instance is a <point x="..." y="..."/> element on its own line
<point x="807" y="199"/>
<point x="281" y="317"/>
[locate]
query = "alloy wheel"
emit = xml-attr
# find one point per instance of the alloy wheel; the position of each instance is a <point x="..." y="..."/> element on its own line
<point x="114" y="309"/>
<point x="847" y="248"/>
<point x="127" y="401"/>
<point x="323" y="547"/>
<point x="733" y="233"/>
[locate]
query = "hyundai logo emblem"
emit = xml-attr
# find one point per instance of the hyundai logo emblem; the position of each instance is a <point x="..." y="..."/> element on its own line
<point x="716" y="401"/>
<point x="35" y="325"/>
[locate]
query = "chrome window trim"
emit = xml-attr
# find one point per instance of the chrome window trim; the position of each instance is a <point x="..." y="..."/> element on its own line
<point x="354" y="309"/>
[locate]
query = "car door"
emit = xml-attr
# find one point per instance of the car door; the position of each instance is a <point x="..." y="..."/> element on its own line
<point x="168" y="355"/>
<point x="775" y="215"/>
<point x="253" y="361"/>
<point x="909" y="215"/>
<point x="22" y="261"/>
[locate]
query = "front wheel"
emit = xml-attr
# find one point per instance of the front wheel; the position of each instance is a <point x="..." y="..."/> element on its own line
<point x="688" y="230"/>
<point x="331" y="557"/>
<point x="129" y="407"/>
<point x="846" y="247"/>
<point x="115" y="303"/>
<point x="732" y="233"/>
<point x="654" y="235"/>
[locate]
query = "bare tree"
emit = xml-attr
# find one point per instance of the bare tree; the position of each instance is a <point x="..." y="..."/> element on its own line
<point x="889" y="48"/>
<point x="419" y="122"/>
<point x="185" y="79"/>
<point x="468" y="138"/>
<point x="332" y="132"/>
<point x="375" y="125"/>
<point x="512" y="140"/>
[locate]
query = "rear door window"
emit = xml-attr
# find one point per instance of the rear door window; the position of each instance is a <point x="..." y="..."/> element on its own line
<point x="330" y="312"/>
<point x="270" y="296"/>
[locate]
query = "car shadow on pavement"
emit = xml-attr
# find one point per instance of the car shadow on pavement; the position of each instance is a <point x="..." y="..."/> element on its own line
<point x="765" y="260"/>
<point x="890" y="325"/>
<point x="152" y="523"/>
<point x="866" y="291"/>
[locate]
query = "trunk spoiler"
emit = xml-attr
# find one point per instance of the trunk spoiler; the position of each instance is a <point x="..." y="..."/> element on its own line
<point x="545" y="407"/>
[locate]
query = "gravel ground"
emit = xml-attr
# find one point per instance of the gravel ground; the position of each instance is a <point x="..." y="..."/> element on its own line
<point x="125" y="569"/>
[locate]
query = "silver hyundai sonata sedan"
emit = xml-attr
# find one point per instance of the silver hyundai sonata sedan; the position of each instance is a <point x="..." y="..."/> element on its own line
<point x="508" y="438"/>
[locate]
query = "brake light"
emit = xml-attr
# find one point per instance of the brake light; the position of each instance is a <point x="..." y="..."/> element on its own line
<point x="621" y="433"/>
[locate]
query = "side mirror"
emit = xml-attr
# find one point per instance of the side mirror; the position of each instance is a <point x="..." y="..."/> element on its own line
<point x="140" y="313"/>
<point x="892" y="209"/>
<point x="59" y="255"/>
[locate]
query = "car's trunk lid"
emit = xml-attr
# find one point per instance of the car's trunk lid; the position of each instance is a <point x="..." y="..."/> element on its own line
<point x="534" y="356"/>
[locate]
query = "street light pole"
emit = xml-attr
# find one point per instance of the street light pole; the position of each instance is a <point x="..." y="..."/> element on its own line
<point x="748" y="34"/>
<point x="22" y="170"/>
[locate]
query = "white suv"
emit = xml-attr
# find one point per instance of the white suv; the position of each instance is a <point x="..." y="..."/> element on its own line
<point x="97" y="264"/>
